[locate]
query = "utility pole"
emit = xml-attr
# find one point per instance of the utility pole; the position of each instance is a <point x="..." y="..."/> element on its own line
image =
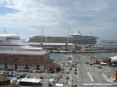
<point x="41" y="38"/>
<point x="4" y="31"/>
<point x="41" y="30"/>
<point x="67" y="42"/>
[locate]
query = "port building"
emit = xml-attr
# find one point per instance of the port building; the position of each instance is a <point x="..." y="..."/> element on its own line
<point x="24" y="60"/>
<point x="17" y="55"/>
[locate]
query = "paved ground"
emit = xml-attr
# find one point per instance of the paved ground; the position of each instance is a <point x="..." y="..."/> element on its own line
<point x="90" y="75"/>
<point x="80" y="73"/>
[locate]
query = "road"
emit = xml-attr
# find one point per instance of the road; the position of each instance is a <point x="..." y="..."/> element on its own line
<point x="89" y="75"/>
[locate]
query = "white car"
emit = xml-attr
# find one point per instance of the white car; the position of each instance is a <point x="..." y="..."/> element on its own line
<point x="103" y="63"/>
<point x="59" y="85"/>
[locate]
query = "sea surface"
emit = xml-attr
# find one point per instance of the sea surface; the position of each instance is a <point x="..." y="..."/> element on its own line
<point x="58" y="56"/>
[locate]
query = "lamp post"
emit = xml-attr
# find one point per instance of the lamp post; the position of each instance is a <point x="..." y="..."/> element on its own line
<point x="41" y="38"/>
<point x="41" y="30"/>
<point x="67" y="41"/>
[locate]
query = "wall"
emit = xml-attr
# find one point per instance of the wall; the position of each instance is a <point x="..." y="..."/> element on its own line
<point x="19" y="61"/>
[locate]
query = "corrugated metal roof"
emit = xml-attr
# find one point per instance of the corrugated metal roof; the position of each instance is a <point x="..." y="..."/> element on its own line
<point x="114" y="58"/>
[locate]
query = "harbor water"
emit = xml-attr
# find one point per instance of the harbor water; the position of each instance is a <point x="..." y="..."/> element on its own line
<point x="58" y="56"/>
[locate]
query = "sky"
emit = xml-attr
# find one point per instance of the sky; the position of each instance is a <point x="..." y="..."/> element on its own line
<point x="28" y="18"/>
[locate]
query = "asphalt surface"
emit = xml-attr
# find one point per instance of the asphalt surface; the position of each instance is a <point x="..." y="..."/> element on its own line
<point x="90" y="75"/>
<point x="87" y="75"/>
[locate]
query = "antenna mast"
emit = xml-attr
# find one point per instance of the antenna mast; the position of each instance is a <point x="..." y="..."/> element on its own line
<point x="4" y="31"/>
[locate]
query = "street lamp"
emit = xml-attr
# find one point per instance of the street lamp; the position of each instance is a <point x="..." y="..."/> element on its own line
<point x="67" y="41"/>
<point x="37" y="27"/>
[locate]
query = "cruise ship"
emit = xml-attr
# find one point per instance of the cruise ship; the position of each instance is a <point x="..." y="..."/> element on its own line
<point x="13" y="42"/>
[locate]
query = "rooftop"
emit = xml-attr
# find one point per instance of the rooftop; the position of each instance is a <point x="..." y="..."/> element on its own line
<point x="114" y="58"/>
<point x="32" y="80"/>
<point x="42" y="52"/>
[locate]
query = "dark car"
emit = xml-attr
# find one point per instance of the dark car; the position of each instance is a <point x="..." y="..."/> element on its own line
<point x="86" y="62"/>
<point x="74" y="85"/>
<point x="90" y="64"/>
<point x="99" y="67"/>
<point x="67" y="77"/>
<point x="75" y="72"/>
<point x="75" y="69"/>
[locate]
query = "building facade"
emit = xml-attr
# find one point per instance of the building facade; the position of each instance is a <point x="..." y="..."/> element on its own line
<point x="31" y="60"/>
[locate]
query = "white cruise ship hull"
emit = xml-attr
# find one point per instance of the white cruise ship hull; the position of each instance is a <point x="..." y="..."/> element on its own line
<point x="10" y="42"/>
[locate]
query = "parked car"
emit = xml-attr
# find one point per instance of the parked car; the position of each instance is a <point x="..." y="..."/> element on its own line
<point x="36" y="71"/>
<point x="86" y="62"/>
<point x="67" y="77"/>
<point x="75" y="69"/>
<point x="103" y="63"/>
<point x="99" y="67"/>
<point x="75" y="72"/>
<point x="74" y="85"/>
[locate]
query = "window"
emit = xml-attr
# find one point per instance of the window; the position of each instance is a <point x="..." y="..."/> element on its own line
<point x="20" y="64"/>
<point x="11" y="64"/>
<point x="26" y="59"/>
<point x="16" y="59"/>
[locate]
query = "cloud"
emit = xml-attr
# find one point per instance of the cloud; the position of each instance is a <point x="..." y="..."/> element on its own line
<point x="6" y="10"/>
<point x="96" y="16"/>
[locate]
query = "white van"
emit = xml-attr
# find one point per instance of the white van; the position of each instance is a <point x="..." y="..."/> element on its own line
<point x="59" y="85"/>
